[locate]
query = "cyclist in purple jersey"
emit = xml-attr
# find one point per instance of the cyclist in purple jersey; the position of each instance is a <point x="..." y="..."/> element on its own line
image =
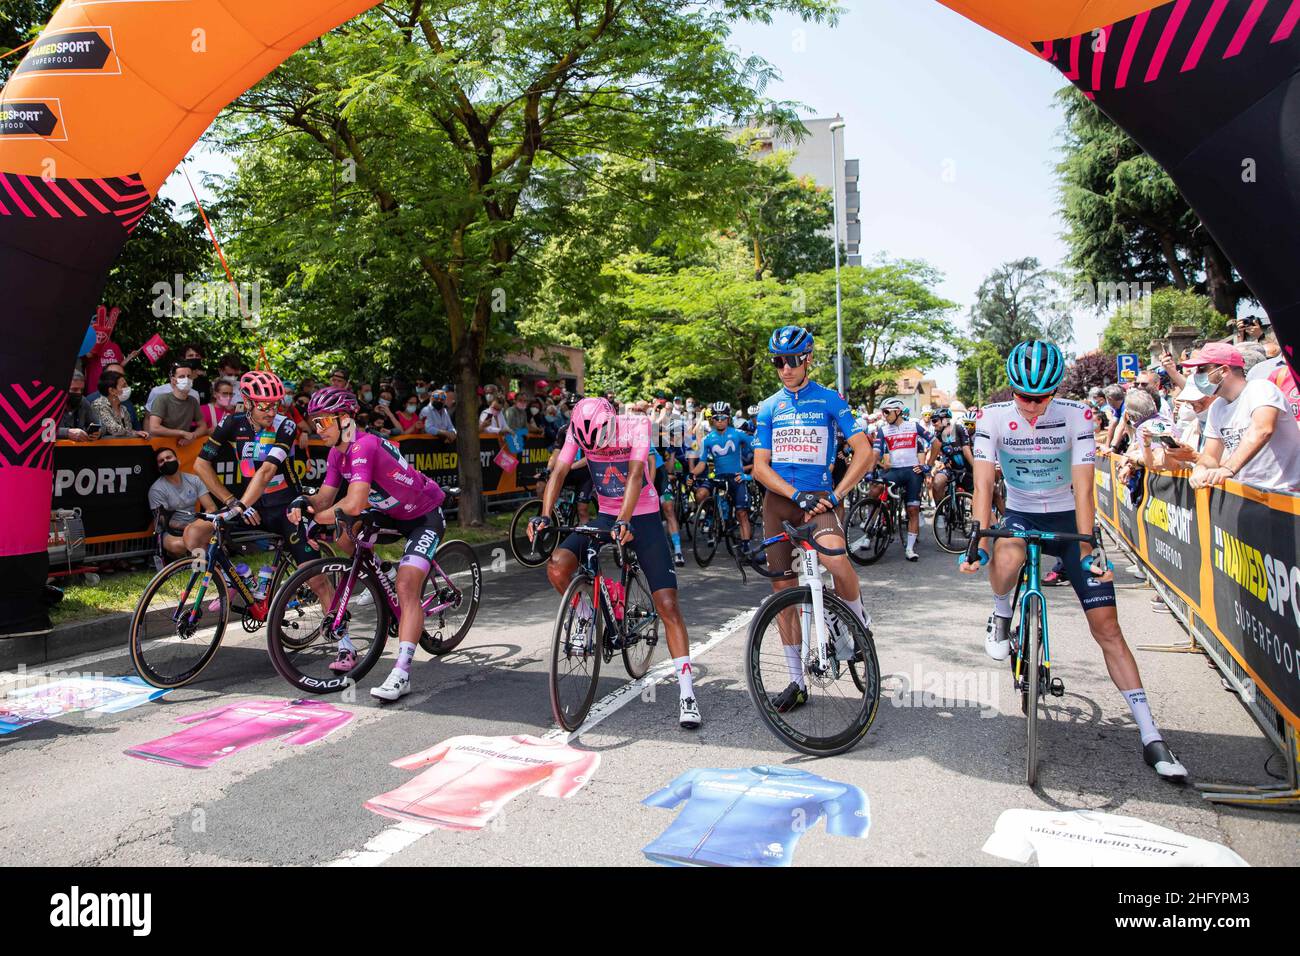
<point x="378" y="478"/>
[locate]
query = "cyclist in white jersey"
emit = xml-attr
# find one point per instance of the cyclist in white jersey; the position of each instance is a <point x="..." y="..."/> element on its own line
<point x="1046" y="448"/>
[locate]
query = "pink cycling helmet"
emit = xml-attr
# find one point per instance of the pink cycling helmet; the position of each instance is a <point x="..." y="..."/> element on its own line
<point x="332" y="400"/>
<point x="594" y="423"/>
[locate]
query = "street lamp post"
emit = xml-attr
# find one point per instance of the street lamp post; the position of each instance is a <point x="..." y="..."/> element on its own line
<point x="835" y="212"/>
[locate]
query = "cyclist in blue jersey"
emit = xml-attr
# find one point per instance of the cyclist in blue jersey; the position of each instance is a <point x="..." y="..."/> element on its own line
<point x="723" y="448"/>
<point x="902" y="446"/>
<point x="794" y="449"/>
<point x="1047" y="449"/>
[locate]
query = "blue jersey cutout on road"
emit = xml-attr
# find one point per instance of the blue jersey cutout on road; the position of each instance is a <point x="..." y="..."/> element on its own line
<point x="752" y="816"/>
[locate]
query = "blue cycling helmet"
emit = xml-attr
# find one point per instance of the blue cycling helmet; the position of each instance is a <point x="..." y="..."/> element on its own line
<point x="790" y="340"/>
<point x="1035" y="368"/>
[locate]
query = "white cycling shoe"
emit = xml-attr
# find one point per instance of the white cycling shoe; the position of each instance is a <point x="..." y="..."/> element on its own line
<point x="997" y="637"/>
<point x="1162" y="760"/>
<point x="397" y="685"/>
<point x="688" y="714"/>
<point x="910" y="554"/>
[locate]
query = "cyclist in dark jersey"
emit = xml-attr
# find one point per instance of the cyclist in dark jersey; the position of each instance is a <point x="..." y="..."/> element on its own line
<point x="262" y="440"/>
<point x="954" y="449"/>
<point x="379" y="478"/>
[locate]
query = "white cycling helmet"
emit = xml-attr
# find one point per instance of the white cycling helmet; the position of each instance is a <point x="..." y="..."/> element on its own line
<point x="893" y="405"/>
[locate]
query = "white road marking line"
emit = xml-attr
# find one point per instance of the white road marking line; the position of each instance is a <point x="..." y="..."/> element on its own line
<point x="394" y="839"/>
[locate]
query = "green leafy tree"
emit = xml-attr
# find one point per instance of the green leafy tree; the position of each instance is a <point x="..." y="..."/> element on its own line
<point x="893" y="320"/>
<point x="1126" y="220"/>
<point x="786" y="220"/>
<point x="1134" y="325"/>
<point x="981" y="371"/>
<point x="466" y="136"/>
<point x="1020" y="300"/>
<point x="1096" y="369"/>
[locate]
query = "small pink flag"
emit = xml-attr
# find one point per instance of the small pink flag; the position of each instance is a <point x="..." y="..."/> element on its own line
<point x="154" y="349"/>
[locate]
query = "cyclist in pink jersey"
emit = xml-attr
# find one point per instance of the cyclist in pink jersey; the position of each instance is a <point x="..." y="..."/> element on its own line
<point x="617" y="450"/>
<point x="408" y="501"/>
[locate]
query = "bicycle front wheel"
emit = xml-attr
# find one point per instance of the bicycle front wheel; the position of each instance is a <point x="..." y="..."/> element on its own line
<point x="708" y="528"/>
<point x="455" y="584"/>
<point x="535" y="553"/>
<point x="575" y="654"/>
<point x="867" y="531"/>
<point x="1031" y="633"/>
<point x="178" y="623"/>
<point x="841" y="696"/>
<point x="641" y="626"/>
<point x="300" y="636"/>
<point x="952" y="522"/>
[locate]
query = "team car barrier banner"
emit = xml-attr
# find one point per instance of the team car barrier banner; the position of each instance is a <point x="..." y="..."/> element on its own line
<point x="109" y="480"/>
<point x="1231" y="556"/>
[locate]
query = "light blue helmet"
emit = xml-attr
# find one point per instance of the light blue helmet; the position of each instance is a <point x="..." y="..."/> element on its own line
<point x="790" y="340"/>
<point x="1035" y="368"/>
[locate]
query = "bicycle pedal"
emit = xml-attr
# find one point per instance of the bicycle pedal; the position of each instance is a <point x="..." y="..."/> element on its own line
<point x="1056" y="687"/>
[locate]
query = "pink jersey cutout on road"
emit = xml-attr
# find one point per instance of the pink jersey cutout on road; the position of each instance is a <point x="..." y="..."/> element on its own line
<point x="474" y="777"/>
<point x="234" y="727"/>
<point x="609" y="466"/>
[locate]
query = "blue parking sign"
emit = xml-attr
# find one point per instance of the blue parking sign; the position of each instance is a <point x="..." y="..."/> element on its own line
<point x="1127" y="364"/>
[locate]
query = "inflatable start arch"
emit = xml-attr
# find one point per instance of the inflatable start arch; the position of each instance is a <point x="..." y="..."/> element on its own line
<point x="113" y="95"/>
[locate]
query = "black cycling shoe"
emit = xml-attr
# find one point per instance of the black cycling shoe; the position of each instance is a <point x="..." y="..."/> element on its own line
<point x="1158" y="755"/>
<point x="790" y="698"/>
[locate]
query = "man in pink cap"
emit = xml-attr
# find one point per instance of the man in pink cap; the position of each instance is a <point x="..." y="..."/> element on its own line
<point x="1250" y="435"/>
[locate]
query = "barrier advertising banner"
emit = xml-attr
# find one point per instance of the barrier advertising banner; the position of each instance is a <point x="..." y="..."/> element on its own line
<point x="109" y="480"/>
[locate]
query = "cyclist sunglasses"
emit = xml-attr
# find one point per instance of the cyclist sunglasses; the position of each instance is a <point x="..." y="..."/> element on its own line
<point x="719" y="418"/>
<point x="789" y="361"/>
<point x="324" y="421"/>
<point x="264" y="406"/>
<point x="1033" y="399"/>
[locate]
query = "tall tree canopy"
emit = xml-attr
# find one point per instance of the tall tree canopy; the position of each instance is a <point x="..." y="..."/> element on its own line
<point x="1020" y="300"/>
<point x="440" y="144"/>
<point x="1125" y="219"/>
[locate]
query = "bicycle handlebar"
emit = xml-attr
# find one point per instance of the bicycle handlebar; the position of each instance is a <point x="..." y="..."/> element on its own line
<point x="972" y="549"/>
<point x="593" y="532"/>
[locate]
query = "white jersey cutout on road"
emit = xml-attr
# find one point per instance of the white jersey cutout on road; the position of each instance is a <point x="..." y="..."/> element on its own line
<point x="1087" y="838"/>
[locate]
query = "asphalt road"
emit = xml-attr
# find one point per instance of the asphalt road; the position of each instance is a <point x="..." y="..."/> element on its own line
<point x="942" y="761"/>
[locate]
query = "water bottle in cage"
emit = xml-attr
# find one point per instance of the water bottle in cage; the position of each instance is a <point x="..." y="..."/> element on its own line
<point x="264" y="581"/>
<point x="619" y="597"/>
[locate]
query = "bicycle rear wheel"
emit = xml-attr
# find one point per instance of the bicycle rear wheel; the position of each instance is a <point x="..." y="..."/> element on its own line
<point x="641" y="624"/>
<point x="300" y="640"/>
<point x="1031" y="632"/>
<point x="175" y="630"/>
<point x="458" y="581"/>
<point x="575" y="654"/>
<point x="842" y="698"/>
<point x="535" y="553"/>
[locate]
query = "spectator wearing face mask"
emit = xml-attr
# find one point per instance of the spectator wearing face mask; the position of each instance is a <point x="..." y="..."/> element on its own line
<point x="202" y="388"/>
<point x="516" y="416"/>
<point x="1193" y="407"/>
<point x="176" y="413"/>
<point x="222" y="404"/>
<point x="112" y="411"/>
<point x="70" y="425"/>
<point x="437" y="417"/>
<point x="174" y="499"/>
<point x="535" y="417"/>
<point x="1249" y="435"/>
<point x="385" y="415"/>
<point x="492" y="419"/>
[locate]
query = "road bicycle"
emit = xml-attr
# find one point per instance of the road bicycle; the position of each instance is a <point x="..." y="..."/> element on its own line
<point x="1031" y="658"/>
<point x="836" y="662"/>
<point x="600" y="615"/>
<point x="872" y="522"/>
<point x="180" y="620"/>
<point x="536" y="552"/>
<point x="683" y="502"/>
<point x="716" y="520"/>
<point x="303" y="637"/>
<point x="952" y="517"/>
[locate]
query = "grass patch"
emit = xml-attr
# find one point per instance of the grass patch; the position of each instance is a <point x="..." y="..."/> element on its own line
<point x="120" y="591"/>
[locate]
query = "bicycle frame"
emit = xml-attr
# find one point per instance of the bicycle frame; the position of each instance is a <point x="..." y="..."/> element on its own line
<point x="605" y="600"/>
<point x="215" y="557"/>
<point x="810" y="574"/>
<point x="364" y="556"/>
<point x="1031" y="577"/>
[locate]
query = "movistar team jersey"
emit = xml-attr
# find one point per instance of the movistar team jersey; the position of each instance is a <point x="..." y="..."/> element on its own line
<point x="798" y="428"/>
<point x="903" y="443"/>
<point x="747" y="816"/>
<point x="725" y="451"/>
<point x="951" y="442"/>
<point x="1037" y="457"/>
<point x="253" y="446"/>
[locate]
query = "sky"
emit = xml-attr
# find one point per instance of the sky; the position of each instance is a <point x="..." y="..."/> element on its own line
<point x="956" y="131"/>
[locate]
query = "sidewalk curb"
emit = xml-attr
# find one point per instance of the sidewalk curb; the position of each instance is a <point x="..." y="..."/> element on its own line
<point x="74" y="638"/>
